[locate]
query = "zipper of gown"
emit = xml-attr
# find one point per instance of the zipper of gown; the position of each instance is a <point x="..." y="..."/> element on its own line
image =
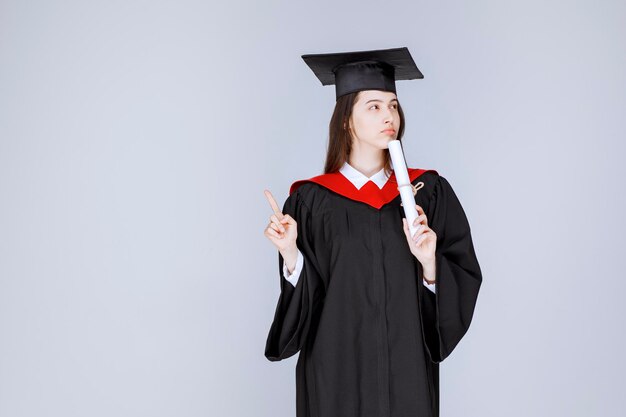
<point x="382" y="339"/>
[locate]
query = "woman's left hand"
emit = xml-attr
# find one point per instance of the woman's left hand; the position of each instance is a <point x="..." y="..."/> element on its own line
<point x="424" y="242"/>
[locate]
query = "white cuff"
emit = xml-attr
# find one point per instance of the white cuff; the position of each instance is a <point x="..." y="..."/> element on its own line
<point x="293" y="277"/>
<point x="432" y="287"/>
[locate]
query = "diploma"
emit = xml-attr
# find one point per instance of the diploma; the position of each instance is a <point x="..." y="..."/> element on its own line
<point x="404" y="184"/>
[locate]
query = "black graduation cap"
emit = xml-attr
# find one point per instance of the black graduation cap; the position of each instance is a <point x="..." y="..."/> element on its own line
<point x="363" y="70"/>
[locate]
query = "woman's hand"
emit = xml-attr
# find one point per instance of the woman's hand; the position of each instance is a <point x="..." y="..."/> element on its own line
<point x="282" y="231"/>
<point x="423" y="243"/>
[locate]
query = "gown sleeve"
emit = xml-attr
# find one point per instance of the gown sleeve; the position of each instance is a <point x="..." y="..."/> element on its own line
<point x="446" y="314"/>
<point x="297" y="305"/>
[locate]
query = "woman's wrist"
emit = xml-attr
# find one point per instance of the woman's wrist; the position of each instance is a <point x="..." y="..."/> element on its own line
<point x="290" y="257"/>
<point x="429" y="273"/>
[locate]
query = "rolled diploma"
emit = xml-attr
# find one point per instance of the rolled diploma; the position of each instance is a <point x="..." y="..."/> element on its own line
<point x="404" y="184"/>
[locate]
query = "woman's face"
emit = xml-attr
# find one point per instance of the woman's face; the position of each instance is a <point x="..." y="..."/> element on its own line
<point x="375" y="120"/>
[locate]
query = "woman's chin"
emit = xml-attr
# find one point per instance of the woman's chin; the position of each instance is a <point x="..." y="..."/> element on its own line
<point x="388" y="139"/>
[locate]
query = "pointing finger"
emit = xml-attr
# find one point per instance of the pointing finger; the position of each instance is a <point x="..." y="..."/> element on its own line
<point x="273" y="204"/>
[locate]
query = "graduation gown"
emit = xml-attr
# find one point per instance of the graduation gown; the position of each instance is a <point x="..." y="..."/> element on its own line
<point x="370" y="335"/>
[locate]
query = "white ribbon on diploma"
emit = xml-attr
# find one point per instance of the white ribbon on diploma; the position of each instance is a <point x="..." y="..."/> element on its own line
<point x="404" y="184"/>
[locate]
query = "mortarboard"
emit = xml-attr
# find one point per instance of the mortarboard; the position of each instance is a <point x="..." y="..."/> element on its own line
<point x="363" y="70"/>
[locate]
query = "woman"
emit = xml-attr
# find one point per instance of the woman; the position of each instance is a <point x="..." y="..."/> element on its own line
<point x="372" y="309"/>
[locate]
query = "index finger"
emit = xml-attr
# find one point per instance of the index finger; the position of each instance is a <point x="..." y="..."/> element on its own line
<point x="273" y="203"/>
<point x="420" y="210"/>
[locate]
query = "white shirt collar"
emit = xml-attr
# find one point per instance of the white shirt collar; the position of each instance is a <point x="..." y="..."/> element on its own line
<point x="359" y="179"/>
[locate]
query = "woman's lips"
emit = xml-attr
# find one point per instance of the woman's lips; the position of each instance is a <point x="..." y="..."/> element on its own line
<point x="389" y="131"/>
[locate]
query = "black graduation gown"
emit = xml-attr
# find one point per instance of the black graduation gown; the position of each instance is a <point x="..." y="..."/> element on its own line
<point x="370" y="335"/>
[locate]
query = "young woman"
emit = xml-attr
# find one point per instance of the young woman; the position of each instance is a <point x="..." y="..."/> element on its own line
<point x="372" y="309"/>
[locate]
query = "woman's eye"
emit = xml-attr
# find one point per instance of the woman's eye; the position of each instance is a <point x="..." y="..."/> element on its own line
<point x="375" y="106"/>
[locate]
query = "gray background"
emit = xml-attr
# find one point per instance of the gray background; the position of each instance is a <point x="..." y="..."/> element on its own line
<point x="136" y="138"/>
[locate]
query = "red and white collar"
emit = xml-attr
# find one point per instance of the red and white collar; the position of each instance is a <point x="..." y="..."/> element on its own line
<point x="359" y="179"/>
<point x="371" y="192"/>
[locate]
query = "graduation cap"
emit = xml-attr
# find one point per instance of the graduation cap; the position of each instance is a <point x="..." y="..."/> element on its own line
<point x="363" y="70"/>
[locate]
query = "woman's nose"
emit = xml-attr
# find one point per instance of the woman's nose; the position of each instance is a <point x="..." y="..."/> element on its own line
<point x="389" y="116"/>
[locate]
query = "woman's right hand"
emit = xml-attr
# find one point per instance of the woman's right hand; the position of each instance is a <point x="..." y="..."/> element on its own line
<point x="282" y="231"/>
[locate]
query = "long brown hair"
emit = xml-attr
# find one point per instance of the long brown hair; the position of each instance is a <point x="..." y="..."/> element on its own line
<point x="340" y="138"/>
